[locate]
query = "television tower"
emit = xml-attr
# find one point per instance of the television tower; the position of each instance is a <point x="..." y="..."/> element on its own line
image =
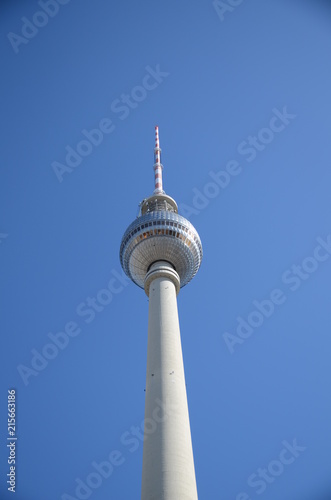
<point x="161" y="252"/>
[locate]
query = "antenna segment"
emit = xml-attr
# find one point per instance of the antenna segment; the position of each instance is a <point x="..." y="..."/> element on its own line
<point x="158" y="167"/>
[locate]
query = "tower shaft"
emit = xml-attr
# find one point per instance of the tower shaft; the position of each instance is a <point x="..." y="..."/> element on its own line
<point x="168" y="466"/>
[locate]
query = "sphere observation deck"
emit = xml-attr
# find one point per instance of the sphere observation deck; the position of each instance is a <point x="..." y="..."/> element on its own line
<point x="160" y="233"/>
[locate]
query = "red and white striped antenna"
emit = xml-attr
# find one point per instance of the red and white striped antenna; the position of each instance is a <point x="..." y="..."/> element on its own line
<point x="158" y="167"/>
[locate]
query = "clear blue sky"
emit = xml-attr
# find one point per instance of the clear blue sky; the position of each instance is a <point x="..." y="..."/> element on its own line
<point x="242" y="98"/>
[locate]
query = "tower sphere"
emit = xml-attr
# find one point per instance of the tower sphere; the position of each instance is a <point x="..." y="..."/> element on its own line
<point x="159" y="233"/>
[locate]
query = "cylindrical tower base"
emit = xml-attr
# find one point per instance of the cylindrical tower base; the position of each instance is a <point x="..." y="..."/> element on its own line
<point x="168" y="466"/>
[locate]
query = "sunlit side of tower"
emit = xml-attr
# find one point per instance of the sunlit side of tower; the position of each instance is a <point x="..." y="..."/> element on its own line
<point x="161" y="252"/>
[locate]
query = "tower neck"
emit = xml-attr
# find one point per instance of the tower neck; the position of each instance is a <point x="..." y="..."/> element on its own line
<point x="158" y="167"/>
<point x="162" y="269"/>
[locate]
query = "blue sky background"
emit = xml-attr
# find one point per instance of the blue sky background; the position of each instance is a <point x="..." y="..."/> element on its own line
<point x="59" y="241"/>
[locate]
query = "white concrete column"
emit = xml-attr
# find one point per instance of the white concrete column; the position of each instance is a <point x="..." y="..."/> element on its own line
<point x="168" y="466"/>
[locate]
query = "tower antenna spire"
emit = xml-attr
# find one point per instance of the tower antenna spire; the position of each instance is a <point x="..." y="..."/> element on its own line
<point x="158" y="167"/>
